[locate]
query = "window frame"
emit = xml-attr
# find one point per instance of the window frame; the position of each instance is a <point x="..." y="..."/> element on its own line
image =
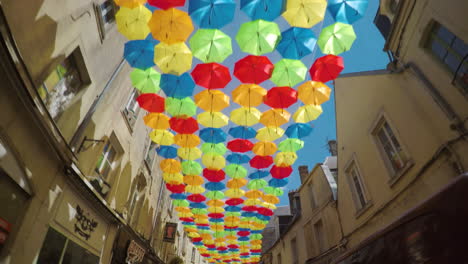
<point x="105" y="27"/>
<point x="294" y="251"/>
<point x="131" y="115"/>
<point x="312" y="199"/>
<point x="360" y="208"/>
<point x="149" y="150"/>
<point x="320" y="237"/>
<point x="279" y="258"/>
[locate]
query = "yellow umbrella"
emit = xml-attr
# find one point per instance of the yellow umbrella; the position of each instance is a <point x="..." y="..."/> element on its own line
<point x="264" y="148"/>
<point x="215" y="203"/>
<point x="215" y="209"/>
<point x="130" y="3"/>
<point x="193" y="234"/>
<point x="269" y="206"/>
<point x="256" y="246"/>
<point x="236" y="183"/>
<point x="195" y="189"/>
<point x="305" y="13"/>
<point x="268" y="198"/>
<point x="245" y="116"/>
<point x="213" y="119"/>
<point x="269" y="133"/>
<point x="186" y="140"/>
<point x="314" y="93"/>
<point x="248" y="95"/>
<point x="213" y="161"/>
<point x="234" y="193"/>
<point x="173" y="177"/>
<point x="307" y="113"/>
<point x="212" y="100"/>
<point x="206" y="236"/>
<point x="275" y="117"/>
<point x="162" y="137"/>
<point x="170" y="166"/>
<point x="182" y="209"/>
<point x="252" y="201"/>
<point x="189" y="153"/>
<point x="284" y="159"/>
<point x="156" y="120"/>
<point x="174" y="58"/>
<point x="133" y="23"/>
<point x="220" y="240"/>
<point x="200" y="217"/>
<point x="194" y="180"/>
<point x="255" y="242"/>
<point x="170" y="26"/>
<point x="254" y="194"/>
<point x="232" y="219"/>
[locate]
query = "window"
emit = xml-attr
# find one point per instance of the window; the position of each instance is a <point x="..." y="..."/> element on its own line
<point x="356" y="186"/>
<point x="278" y="258"/>
<point x="106" y="160"/>
<point x="391" y="149"/>
<point x="131" y="109"/>
<point x="451" y="51"/>
<point x="313" y="202"/>
<point x="59" y="249"/>
<point x="320" y="236"/>
<point x="192" y="259"/>
<point x="294" y="251"/>
<point x="150" y="155"/>
<point x="106" y="16"/>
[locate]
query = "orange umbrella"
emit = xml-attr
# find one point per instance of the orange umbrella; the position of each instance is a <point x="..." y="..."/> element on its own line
<point x="171" y="25"/>
<point x="193" y="180"/>
<point x="313" y="93"/>
<point x="170" y="166"/>
<point x="264" y="148"/>
<point x="275" y="117"/>
<point x="253" y="194"/>
<point x="212" y="100"/>
<point x="156" y="120"/>
<point x="236" y="183"/>
<point x="187" y="140"/>
<point x="248" y="95"/>
<point x="215" y="203"/>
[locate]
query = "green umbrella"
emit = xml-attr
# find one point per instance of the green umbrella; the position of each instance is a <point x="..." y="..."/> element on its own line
<point x="176" y="107"/>
<point x="219" y="148"/>
<point x="291" y="145"/>
<point x="232" y="214"/>
<point x="273" y="191"/>
<point x="218" y="195"/>
<point x="257" y="184"/>
<point x="191" y="167"/>
<point x="288" y="72"/>
<point x="199" y="211"/>
<point x="336" y="38"/>
<point x="258" y="37"/>
<point x="183" y="203"/>
<point x="236" y="171"/>
<point x="211" y="45"/>
<point x="146" y="81"/>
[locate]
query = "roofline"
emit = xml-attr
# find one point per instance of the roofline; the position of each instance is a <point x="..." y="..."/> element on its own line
<point x="365" y="73"/>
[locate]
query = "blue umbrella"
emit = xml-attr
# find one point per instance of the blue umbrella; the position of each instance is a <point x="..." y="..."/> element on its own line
<point x="259" y="174"/>
<point x="215" y="186"/>
<point x="233" y="208"/>
<point x="278" y="182"/>
<point x="212" y="13"/>
<point x="139" y="53"/>
<point x="347" y="11"/>
<point x="242" y="132"/>
<point x="298" y="130"/>
<point x="296" y="43"/>
<point x="216" y="220"/>
<point x="177" y="86"/>
<point x="178" y="196"/>
<point x="198" y="205"/>
<point x="238" y="158"/>
<point x="167" y="152"/>
<point x="153" y="41"/>
<point x="263" y="9"/>
<point x="213" y="135"/>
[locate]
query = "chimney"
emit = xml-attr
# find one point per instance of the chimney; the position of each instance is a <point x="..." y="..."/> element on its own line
<point x="333" y="147"/>
<point x="303" y="172"/>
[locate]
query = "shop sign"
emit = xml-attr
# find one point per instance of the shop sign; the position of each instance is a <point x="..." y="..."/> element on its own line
<point x="84" y="223"/>
<point x="170" y="232"/>
<point x="135" y="253"/>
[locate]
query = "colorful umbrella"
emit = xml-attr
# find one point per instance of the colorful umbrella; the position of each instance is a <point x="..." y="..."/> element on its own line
<point x="133" y="23"/>
<point x="178" y="107"/>
<point x="212" y="100"/>
<point x="296" y="43"/>
<point x="259" y="174"/>
<point x="236" y="183"/>
<point x="166" y="4"/>
<point x="189" y="154"/>
<point x="166" y="152"/>
<point x="258" y="37"/>
<point x="156" y="121"/>
<point x="213" y="119"/>
<point x="280" y="97"/>
<point x="214" y="175"/>
<point x="248" y="95"/>
<point x="326" y="68"/>
<point x="269" y="133"/>
<point x="191" y="168"/>
<point x="151" y="102"/>
<point x="139" y="53"/>
<point x="213" y="161"/>
<point x="213" y="135"/>
<point x="162" y="137"/>
<point x="305" y="13"/>
<point x="263" y="9"/>
<point x="264" y="148"/>
<point x="261" y="162"/>
<point x="284" y="159"/>
<point x="275" y="117"/>
<point x="245" y="116"/>
<point x="130" y="3"/>
<point x="218" y="148"/>
<point x="186" y="140"/>
<point x="291" y="144"/>
<point x="146" y="81"/>
<point x="274" y="191"/>
<point x="175" y="58"/>
<point x="347" y="11"/>
<point x="288" y="72"/>
<point x="242" y="132"/>
<point x="177" y="86"/>
<point x="183" y="125"/>
<point x="336" y="38"/>
<point x="236" y="171"/>
<point x="312" y="92"/>
<point x="237" y="158"/>
<point x="257" y="184"/>
<point x="253" y="69"/>
<point x="211" y="75"/>
<point x="240" y="145"/>
<point x="298" y="130"/>
<point x="307" y="113"/>
<point x="212" y="13"/>
<point x="210" y="45"/>
<point x="170" y="26"/>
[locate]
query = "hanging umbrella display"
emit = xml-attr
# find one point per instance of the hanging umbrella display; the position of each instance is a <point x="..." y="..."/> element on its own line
<point x="288" y="72"/>
<point x="264" y="148"/>
<point x="312" y="92"/>
<point x="212" y="100"/>
<point x="238" y="158"/>
<point x="248" y="95"/>
<point x="253" y="69"/>
<point x="166" y="4"/>
<point x="284" y="159"/>
<point x="146" y="81"/>
<point x="213" y="161"/>
<point x="280" y="97"/>
<point x="275" y="117"/>
<point x="326" y="68"/>
<point x="263" y="9"/>
<point x="162" y="137"/>
<point x="242" y="132"/>
<point x="298" y="130"/>
<point x="307" y="113"/>
<point x="166" y="152"/>
<point x="139" y="54"/>
<point x="129" y="3"/>
<point x="212" y="13"/>
<point x="305" y="13"/>
<point x="174" y="59"/>
<point x="156" y="121"/>
<point x="211" y="75"/>
<point x="291" y="144"/>
<point x="210" y="45"/>
<point x="213" y="119"/>
<point x="133" y="22"/>
<point x="213" y="135"/>
<point x="218" y="148"/>
<point x="347" y="11"/>
<point x="187" y="140"/>
<point x="183" y="125"/>
<point x="296" y="43"/>
<point x="336" y="38"/>
<point x="189" y="154"/>
<point x="151" y="102"/>
<point x="269" y="133"/>
<point x="258" y="37"/>
<point x="170" y="26"/>
<point x="240" y="145"/>
<point x="177" y="86"/>
<point x="177" y="107"/>
<point x="245" y="116"/>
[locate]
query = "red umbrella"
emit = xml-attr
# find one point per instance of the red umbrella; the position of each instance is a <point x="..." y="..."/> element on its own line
<point x="280" y="172"/>
<point x="211" y="75"/>
<point x="243" y="233"/>
<point x="151" y="102"/>
<point x="186" y="219"/>
<point x="184" y="125"/>
<point x="175" y="188"/>
<point x="166" y="4"/>
<point x="240" y="145"/>
<point x="197" y="239"/>
<point x="216" y="215"/>
<point x="280" y="97"/>
<point x="233" y="246"/>
<point x="326" y="68"/>
<point x="261" y="162"/>
<point x="234" y="201"/>
<point x="196" y="198"/>
<point x="214" y="175"/>
<point x="253" y="69"/>
<point x="265" y="211"/>
<point x="256" y="250"/>
<point x="249" y="208"/>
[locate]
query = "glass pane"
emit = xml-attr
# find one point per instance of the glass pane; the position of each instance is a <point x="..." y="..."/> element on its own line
<point x="438" y="50"/>
<point x="452" y="62"/>
<point x="445" y="35"/>
<point x="51" y="248"/>
<point x="52" y="80"/>
<point x="460" y="47"/>
<point x="75" y="254"/>
<point x="357" y="185"/>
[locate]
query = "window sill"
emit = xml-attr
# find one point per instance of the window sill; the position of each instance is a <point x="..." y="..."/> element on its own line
<point x="398" y="175"/>
<point x="364" y="209"/>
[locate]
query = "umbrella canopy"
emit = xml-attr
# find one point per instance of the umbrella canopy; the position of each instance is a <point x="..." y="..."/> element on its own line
<point x="298" y="130"/>
<point x="166" y="4"/>
<point x="347" y="11"/>
<point x="170" y="26"/>
<point x="174" y="178"/>
<point x="278" y="182"/>
<point x="284" y="159"/>
<point x="177" y="86"/>
<point x="151" y="102"/>
<point x="213" y="135"/>
<point x="218" y="148"/>
<point x="275" y="117"/>
<point x="240" y="145"/>
<point x="133" y="22"/>
<point x="156" y="121"/>
<point x="146" y="81"/>
<point x="259" y="174"/>
<point x="248" y="95"/>
<point x="186" y="140"/>
<point x="162" y="137"/>
<point x="312" y="92"/>
<point x="273" y="191"/>
<point x="178" y="107"/>
<point x="211" y="75"/>
<point x="264" y="148"/>
<point x="257" y="184"/>
<point x="269" y="133"/>
<point x="139" y="53"/>
<point x="305" y="13"/>
<point x="175" y="58"/>
<point x="288" y="72"/>
<point x="326" y="68"/>
<point x="307" y="113"/>
<point x="214" y="175"/>
<point x="189" y="154"/>
<point x="170" y="166"/>
<point x="245" y="116"/>
<point x="261" y="162"/>
<point x="280" y="97"/>
<point x="236" y="183"/>
<point x="213" y="161"/>
<point x="253" y="69"/>
<point x="236" y="171"/>
<point x="296" y="43"/>
<point x="191" y="168"/>
<point x="212" y="100"/>
<point x="130" y="3"/>
<point x="263" y="9"/>
<point x="213" y="119"/>
<point x="336" y="38"/>
<point x="237" y="158"/>
<point x="167" y="152"/>
<point x="212" y="13"/>
<point x="281" y="172"/>
<point x="242" y="132"/>
<point x="291" y="144"/>
<point x="183" y="125"/>
<point x="258" y="37"/>
<point x="210" y="45"/>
